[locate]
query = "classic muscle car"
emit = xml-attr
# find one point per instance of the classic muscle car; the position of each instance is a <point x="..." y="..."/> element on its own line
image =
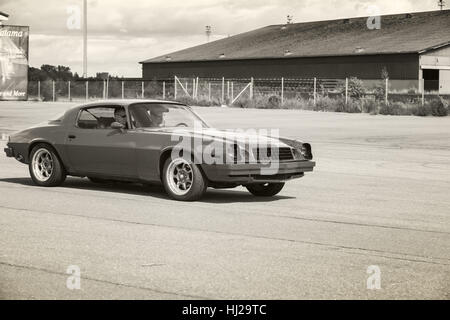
<point x="139" y="141"/>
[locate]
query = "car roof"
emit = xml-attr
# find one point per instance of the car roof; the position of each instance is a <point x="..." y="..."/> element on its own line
<point x="123" y="102"/>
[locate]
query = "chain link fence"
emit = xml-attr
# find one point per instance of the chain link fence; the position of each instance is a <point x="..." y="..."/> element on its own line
<point x="219" y="91"/>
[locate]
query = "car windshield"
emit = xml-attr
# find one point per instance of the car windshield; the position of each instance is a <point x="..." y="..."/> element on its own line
<point x="160" y="115"/>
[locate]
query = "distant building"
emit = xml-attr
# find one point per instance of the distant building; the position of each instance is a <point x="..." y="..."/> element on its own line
<point x="410" y="46"/>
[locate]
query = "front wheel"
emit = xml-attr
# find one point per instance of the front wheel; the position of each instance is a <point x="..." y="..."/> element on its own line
<point x="183" y="180"/>
<point x="265" y="189"/>
<point x="46" y="169"/>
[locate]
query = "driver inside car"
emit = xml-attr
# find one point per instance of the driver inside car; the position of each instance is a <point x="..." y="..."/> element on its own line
<point x="157" y="116"/>
<point x="120" y="116"/>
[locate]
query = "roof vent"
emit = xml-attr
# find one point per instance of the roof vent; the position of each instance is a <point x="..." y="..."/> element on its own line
<point x="408" y="16"/>
<point x="346" y="21"/>
<point x="287" y="53"/>
<point x="168" y="58"/>
<point x="222" y="56"/>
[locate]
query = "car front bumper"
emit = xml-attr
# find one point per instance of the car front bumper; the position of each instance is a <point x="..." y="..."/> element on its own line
<point x="257" y="173"/>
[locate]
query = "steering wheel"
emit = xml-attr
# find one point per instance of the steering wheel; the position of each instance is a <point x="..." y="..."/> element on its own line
<point x="182" y="124"/>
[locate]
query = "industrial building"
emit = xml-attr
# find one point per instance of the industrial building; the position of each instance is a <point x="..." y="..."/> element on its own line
<point x="410" y="46"/>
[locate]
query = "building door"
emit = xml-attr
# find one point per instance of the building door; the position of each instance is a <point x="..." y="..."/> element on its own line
<point x="444" y="81"/>
<point x="431" y="79"/>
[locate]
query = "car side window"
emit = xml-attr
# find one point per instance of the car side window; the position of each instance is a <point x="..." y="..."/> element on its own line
<point x="100" y="117"/>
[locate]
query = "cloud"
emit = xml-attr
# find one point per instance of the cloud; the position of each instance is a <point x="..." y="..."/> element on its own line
<point x="122" y="33"/>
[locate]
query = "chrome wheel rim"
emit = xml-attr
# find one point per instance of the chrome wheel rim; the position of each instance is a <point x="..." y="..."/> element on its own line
<point x="42" y="164"/>
<point x="180" y="176"/>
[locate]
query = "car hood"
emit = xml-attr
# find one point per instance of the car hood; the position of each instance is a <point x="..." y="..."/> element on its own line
<point x="224" y="135"/>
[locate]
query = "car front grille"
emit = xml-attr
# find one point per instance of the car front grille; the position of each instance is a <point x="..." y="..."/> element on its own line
<point x="280" y="154"/>
<point x="264" y="155"/>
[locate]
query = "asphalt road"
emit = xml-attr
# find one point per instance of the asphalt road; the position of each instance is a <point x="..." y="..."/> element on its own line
<point x="379" y="196"/>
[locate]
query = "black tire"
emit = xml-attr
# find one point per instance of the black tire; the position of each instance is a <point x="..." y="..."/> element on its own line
<point x="198" y="183"/>
<point x="55" y="173"/>
<point x="265" y="189"/>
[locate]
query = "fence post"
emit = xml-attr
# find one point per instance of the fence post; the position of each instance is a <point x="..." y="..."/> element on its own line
<point x="107" y="88"/>
<point x="209" y="91"/>
<point x="232" y="90"/>
<point x="282" y="90"/>
<point x="193" y="89"/>
<point x="123" y="90"/>
<point x="68" y="89"/>
<point x="346" y="91"/>
<point x="142" y="95"/>
<point x="87" y="90"/>
<point x="223" y="90"/>
<point x="39" y="90"/>
<point x="315" y="91"/>
<point x="387" y="91"/>
<point x="53" y="90"/>
<point x="104" y="89"/>
<point x="164" y="90"/>
<point x="175" y="88"/>
<point x="251" y="88"/>
<point x="196" y="88"/>
<point x="423" y="92"/>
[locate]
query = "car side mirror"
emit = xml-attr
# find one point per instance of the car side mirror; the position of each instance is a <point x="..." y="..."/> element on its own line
<point x="117" y="126"/>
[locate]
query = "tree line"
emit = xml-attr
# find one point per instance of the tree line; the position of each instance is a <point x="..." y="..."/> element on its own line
<point x="61" y="73"/>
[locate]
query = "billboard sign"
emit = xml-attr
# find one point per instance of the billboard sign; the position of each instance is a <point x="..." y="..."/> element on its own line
<point x="13" y="62"/>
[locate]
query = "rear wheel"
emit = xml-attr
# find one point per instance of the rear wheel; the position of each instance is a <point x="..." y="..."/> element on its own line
<point x="45" y="168"/>
<point x="265" y="189"/>
<point x="183" y="180"/>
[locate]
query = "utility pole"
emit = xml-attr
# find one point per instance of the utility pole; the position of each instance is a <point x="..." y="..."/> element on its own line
<point x="441" y="4"/>
<point x="208" y="33"/>
<point x="289" y="19"/>
<point x="84" y="38"/>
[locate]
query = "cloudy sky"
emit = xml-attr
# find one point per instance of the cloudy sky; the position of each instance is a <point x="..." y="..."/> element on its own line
<point x="122" y="33"/>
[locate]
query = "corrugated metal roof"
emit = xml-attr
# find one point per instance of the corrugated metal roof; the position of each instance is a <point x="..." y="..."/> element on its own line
<point x="400" y="33"/>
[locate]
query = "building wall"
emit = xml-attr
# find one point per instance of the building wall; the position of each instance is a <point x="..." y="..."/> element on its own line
<point x="399" y="66"/>
<point x="438" y="60"/>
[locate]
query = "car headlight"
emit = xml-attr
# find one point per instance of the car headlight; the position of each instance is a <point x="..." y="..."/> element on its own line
<point x="306" y="151"/>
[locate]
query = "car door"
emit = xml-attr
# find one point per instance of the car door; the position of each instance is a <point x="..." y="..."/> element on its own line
<point x="93" y="147"/>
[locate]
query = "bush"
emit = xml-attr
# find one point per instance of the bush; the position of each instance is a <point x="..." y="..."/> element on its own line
<point x="274" y="102"/>
<point x="370" y="106"/>
<point x="395" y="109"/>
<point x="438" y="107"/>
<point x="421" y="111"/>
<point x="380" y="92"/>
<point x="201" y="101"/>
<point x="356" y="89"/>
<point x="263" y="102"/>
<point x="248" y="103"/>
<point x="352" y="106"/>
<point x="325" y="103"/>
<point x="298" y="103"/>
